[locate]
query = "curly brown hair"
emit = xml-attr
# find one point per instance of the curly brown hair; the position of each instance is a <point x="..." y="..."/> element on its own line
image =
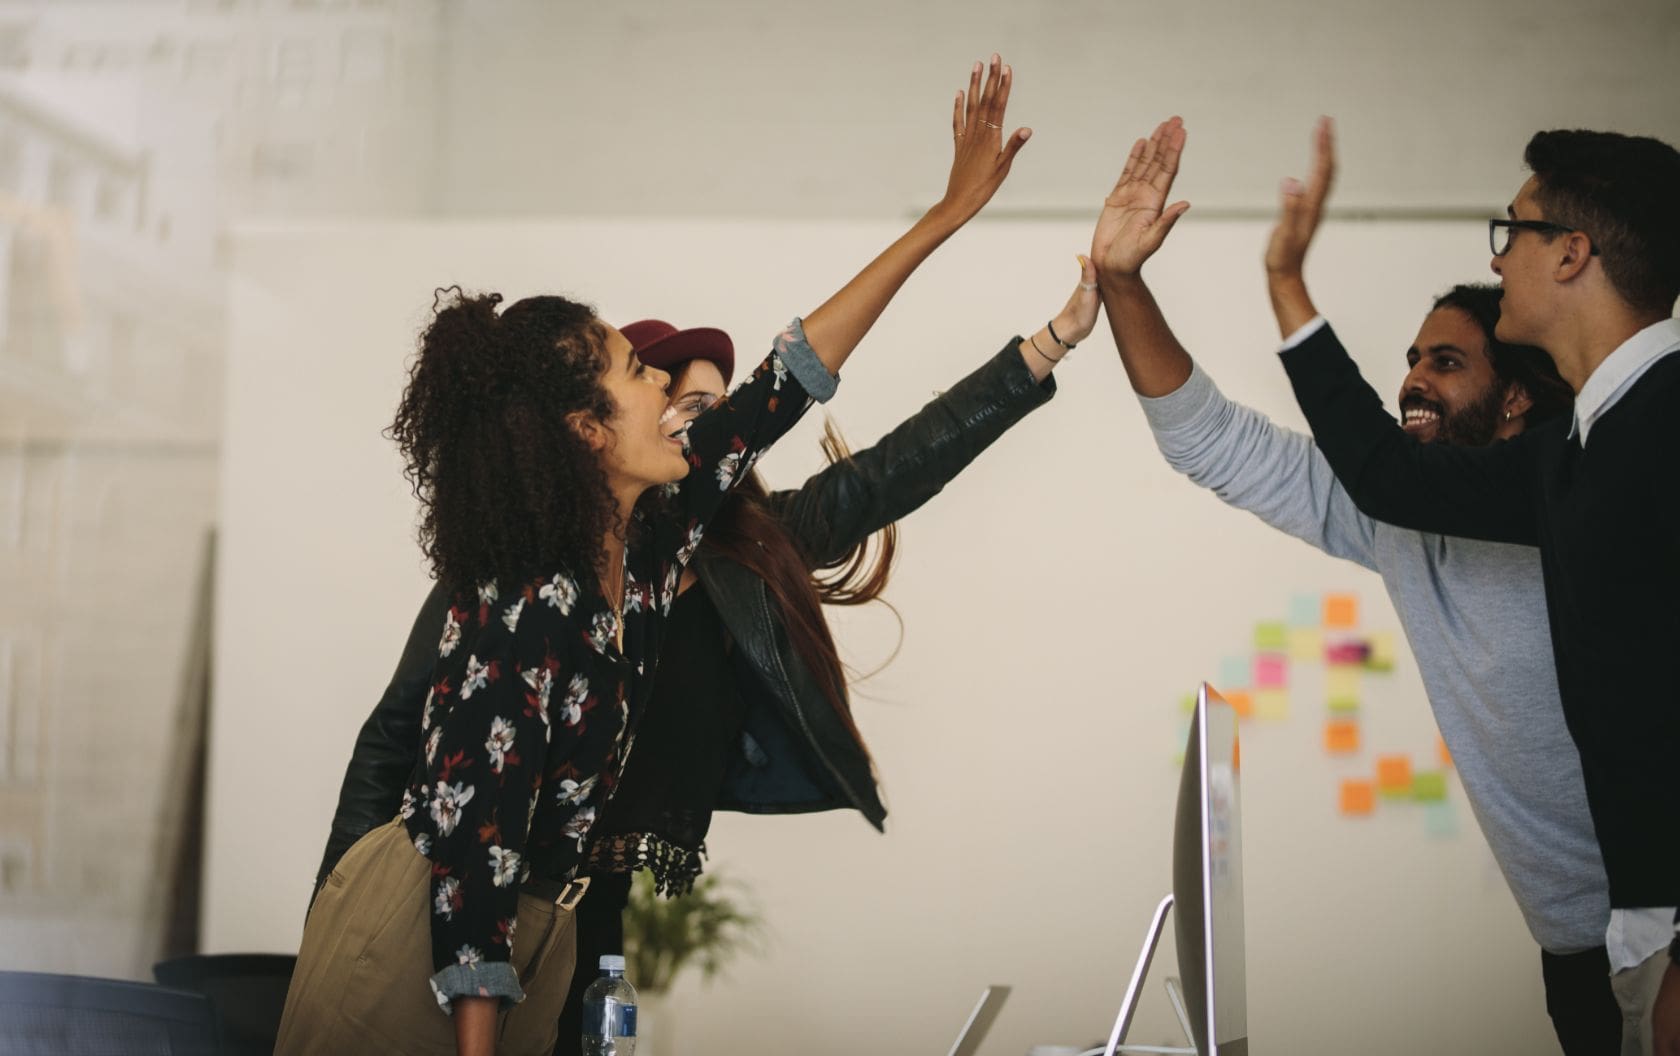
<point x="508" y="488"/>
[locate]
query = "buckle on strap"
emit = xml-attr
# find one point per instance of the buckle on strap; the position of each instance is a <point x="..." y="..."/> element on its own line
<point x="572" y="894"/>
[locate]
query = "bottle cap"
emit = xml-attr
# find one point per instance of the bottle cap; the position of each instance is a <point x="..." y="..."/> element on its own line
<point x="612" y="962"/>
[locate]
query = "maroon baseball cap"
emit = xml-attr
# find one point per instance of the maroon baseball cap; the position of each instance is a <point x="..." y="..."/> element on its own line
<point x="659" y="344"/>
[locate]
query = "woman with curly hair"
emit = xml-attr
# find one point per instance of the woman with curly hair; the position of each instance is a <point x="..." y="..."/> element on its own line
<point x="560" y="515"/>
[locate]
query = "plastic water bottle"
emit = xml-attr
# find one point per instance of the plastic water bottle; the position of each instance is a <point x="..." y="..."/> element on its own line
<point x="609" y="1012"/>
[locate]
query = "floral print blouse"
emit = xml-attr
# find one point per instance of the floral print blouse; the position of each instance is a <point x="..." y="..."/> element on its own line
<point x="534" y="707"/>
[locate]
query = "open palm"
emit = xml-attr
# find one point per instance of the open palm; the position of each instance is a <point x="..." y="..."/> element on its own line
<point x="1135" y="218"/>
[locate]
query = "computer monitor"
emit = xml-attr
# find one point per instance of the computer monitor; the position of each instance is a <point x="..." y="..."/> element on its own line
<point x="1207" y="893"/>
<point x="1207" y="880"/>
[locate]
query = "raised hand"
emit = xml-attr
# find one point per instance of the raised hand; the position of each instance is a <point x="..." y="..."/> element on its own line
<point x="981" y="156"/>
<point x="1135" y="218"/>
<point x="1302" y="208"/>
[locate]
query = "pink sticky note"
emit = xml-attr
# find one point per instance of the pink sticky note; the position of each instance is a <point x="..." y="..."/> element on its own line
<point x="1271" y="671"/>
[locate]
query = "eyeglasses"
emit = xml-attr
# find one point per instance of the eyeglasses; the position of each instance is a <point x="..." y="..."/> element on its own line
<point x="1500" y="233"/>
<point x="695" y="404"/>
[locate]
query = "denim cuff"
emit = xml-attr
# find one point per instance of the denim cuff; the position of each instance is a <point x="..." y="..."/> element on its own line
<point x="483" y="979"/>
<point x="802" y="362"/>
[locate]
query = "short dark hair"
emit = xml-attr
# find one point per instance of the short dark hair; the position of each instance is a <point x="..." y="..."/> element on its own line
<point x="1620" y="191"/>
<point x="1522" y="365"/>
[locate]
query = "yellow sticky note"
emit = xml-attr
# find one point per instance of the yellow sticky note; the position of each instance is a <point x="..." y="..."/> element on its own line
<point x="1358" y="797"/>
<point x="1187" y="703"/>
<point x="1271" y="636"/>
<point x="1341" y="610"/>
<point x="1341" y="736"/>
<point x="1306" y="645"/>
<point x="1272" y="704"/>
<point x="1341" y="688"/>
<point x="1382" y="651"/>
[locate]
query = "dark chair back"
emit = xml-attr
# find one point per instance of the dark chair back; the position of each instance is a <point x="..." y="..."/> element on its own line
<point x="70" y="1015"/>
<point x="247" y="993"/>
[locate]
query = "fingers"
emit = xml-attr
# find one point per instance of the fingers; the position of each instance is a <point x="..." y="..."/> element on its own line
<point x="1012" y="146"/>
<point x="1172" y="148"/>
<point x="989" y="95"/>
<point x="1324" y="160"/>
<point x="1000" y="105"/>
<point x="1164" y="225"/>
<point x="1134" y="164"/>
<point x="957" y="117"/>
<point x="971" y="112"/>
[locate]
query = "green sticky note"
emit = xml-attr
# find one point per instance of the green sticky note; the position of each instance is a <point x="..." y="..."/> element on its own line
<point x="1187" y="703"/>
<point x="1429" y="786"/>
<point x="1271" y="637"/>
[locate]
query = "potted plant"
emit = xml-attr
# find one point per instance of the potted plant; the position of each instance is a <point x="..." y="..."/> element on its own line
<point x="705" y="928"/>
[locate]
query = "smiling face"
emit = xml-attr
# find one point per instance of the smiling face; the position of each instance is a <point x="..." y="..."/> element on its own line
<point x="696" y="387"/>
<point x="1451" y="393"/>
<point x="634" y="448"/>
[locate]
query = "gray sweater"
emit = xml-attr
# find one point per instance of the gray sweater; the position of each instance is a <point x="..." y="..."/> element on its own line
<point x="1475" y="615"/>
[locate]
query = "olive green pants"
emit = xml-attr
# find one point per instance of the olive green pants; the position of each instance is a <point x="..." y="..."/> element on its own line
<point x="362" y="984"/>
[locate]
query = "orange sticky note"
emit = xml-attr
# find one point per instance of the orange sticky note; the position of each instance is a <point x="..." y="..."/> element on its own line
<point x="1441" y="750"/>
<point x="1341" y="736"/>
<point x="1394" y="773"/>
<point x="1358" y="797"/>
<point x="1241" y="702"/>
<point x="1341" y="610"/>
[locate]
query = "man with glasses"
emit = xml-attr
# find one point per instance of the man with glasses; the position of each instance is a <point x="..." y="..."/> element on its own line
<point x="1589" y="259"/>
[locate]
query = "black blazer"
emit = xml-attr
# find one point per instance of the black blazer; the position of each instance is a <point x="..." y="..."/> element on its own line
<point x="795" y="756"/>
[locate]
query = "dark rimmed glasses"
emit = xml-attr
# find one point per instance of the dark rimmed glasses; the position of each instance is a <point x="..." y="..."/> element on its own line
<point x="695" y="404"/>
<point x="1500" y="233"/>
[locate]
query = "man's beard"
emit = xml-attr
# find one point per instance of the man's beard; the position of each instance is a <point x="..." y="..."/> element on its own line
<point x="1472" y="425"/>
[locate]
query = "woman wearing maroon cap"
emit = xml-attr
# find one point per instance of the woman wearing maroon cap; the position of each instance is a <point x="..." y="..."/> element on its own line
<point x="531" y="438"/>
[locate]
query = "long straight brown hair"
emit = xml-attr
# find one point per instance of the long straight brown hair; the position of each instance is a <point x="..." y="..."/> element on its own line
<point x="745" y="531"/>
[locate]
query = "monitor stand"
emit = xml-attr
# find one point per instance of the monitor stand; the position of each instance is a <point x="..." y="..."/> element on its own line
<point x="1128" y="1005"/>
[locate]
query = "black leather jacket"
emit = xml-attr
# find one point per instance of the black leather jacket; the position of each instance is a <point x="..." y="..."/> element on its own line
<point x="796" y="755"/>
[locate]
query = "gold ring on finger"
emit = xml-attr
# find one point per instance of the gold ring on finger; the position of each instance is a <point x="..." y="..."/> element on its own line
<point x="988" y="124"/>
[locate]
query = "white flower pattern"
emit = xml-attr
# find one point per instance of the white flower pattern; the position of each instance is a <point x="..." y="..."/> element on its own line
<point x="561" y="593"/>
<point x="492" y="805"/>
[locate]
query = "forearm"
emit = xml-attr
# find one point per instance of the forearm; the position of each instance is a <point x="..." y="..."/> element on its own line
<point x="835" y="328"/>
<point x="1291" y="303"/>
<point x="475" y="1025"/>
<point x="1156" y="364"/>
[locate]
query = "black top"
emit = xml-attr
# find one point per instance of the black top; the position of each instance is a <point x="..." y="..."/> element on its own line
<point x="659" y="816"/>
<point x="1607" y="521"/>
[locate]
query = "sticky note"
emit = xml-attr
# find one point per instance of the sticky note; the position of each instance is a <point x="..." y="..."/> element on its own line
<point x="1234" y="672"/>
<point x="1271" y="704"/>
<point x="1306" y="645"/>
<point x="1341" y="688"/>
<point x="1305" y="610"/>
<point x="1240" y="702"/>
<point x="1429" y="786"/>
<point x="1341" y="736"/>
<point x="1441" y="751"/>
<point x="1350" y="653"/>
<point x="1187" y="703"/>
<point x="1341" y="610"/>
<point x="1440" y="819"/>
<point x="1271" y="636"/>
<point x="1271" y="671"/>
<point x="1394" y="774"/>
<point x="1358" y="797"/>
<point x="1381" y="656"/>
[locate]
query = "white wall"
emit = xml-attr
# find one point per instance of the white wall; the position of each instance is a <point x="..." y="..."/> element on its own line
<point x="1057" y="600"/>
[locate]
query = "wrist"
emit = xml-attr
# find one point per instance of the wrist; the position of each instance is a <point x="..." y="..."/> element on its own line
<point x="1116" y="279"/>
<point x="1067" y="328"/>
